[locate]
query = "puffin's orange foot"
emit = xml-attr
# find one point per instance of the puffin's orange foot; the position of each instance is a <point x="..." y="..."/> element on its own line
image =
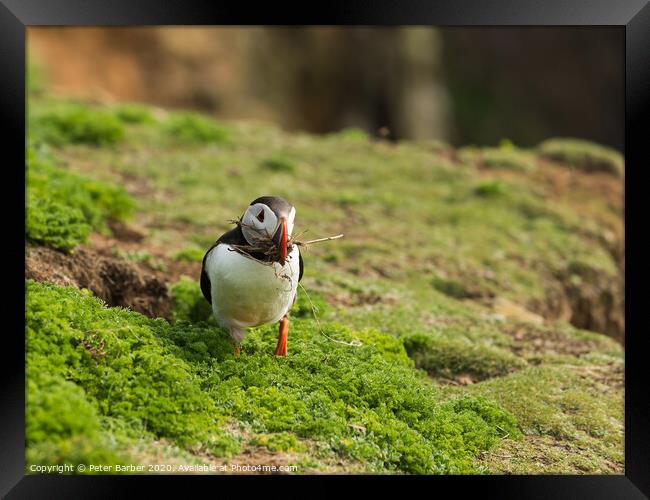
<point x="283" y="333"/>
<point x="237" y="351"/>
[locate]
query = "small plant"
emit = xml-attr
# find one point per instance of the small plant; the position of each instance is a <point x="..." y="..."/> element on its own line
<point x="189" y="254"/>
<point x="490" y="189"/>
<point x="353" y="134"/>
<point x="450" y="287"/>
<point x="133" y="113"/>
<point x="194" y="128"/>
<point x="55" y="224"/>
<point x="281" y="441"/>
<point x="279" y="164"/>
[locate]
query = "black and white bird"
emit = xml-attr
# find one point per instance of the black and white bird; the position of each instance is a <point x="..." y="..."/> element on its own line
<point x="253" y="288"/>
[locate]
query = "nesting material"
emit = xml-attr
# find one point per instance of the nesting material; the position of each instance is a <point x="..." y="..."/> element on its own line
<point x="265" y="246"/>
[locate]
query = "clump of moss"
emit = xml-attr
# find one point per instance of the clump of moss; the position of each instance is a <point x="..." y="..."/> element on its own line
<point x="450" y="287"/>
<point x="62" y="425"/>
<point x="490" y="189"/>
<point x="133" y="113"/>
<point x="306" y="303"/>
<point x="194" y="128"/>
<point x="447" y="357"/>
<point x="507" y="158"/>
<point x="188" y="302"/>
<point x="583" y="155"/>
<point x="182" y="383"/>
<point x="75" y="124"/>
<point x="190" y="254"/>
<point x="63" y="207"/>
<point x="353" y="134"/>
<point x="55" y="224"/>
<point x="281" y="441"/>
<point x="279" y="164"/>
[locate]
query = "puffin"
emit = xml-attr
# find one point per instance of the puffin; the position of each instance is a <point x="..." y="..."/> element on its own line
<point x="249" y="288"/>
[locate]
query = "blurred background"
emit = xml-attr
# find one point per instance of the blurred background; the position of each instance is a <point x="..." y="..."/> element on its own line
<point x="461" y="85"/>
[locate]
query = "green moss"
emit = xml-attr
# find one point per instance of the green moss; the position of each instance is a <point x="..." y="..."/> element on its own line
<point x="353" y="134"/>
<point x="182" y="383"/>
<point x="507" y="158"/>
<point x="134" y="113"/>
<point x="55" y="224"/>
<point x="583" y="155"/>
<point x="281" y="441"/>
<point x="490" y="189"/>
<point x="565" y="406"/>
<point x="118" y="360"/>
<point x="190" y="254"/>
<point x="450" y="287"/>
<point x="279" y="164"/>
<point x="188" y="302"/>
<point x="194" y="128"/>
<point x="448" y="357"/>
<point x="307" y="302"/>
<point x="75" y="124"/>
<point x="62" y="207"/>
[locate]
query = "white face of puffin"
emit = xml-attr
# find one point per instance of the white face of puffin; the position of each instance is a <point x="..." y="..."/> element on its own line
<point x="259" y="221"/>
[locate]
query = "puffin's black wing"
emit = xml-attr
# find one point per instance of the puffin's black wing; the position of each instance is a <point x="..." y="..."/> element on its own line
<point x="206" y="286"/>
<point x="235" y="237"/>
<point x="302" y="267"/>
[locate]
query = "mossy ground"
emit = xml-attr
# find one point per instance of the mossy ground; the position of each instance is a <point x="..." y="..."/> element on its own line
<point x="440" y="383"/>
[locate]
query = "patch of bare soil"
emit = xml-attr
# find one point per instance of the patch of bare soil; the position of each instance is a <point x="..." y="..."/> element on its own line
<point x="131" y="239"/>
<point x="116" y="281"/>
<point x="101" y="267"/>
<point x="587" y="299"/>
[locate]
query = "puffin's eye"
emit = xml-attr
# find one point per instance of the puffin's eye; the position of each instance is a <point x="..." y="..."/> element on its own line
<point x="260" y="216"/>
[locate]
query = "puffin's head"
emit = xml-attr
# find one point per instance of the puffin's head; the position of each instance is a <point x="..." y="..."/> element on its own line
<point x="269" y="217"/>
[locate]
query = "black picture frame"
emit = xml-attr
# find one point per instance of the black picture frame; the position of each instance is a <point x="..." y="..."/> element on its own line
<point x="631" y="15"/>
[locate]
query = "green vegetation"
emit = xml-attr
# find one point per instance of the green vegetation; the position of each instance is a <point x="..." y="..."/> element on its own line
<point x="189" y="303"/>
<point x="134" y="113"/>
<point x="424" y="353"/>
<point x="181" y="382"/>
<point x="583" y="155"/>
<point x="62" y="207"/>
<point x="190" y="254"/>
<point x="75" y="124"/>
<point x="508" y="158"/>
<point x="447" y="357"/>
<point x="194" y="128"/>
<point x="279" y="164"/>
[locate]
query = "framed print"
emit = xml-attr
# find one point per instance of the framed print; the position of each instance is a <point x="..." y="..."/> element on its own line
<point x="364" y="242"/>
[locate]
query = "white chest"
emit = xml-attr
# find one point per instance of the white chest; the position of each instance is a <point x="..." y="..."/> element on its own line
<point x="249" y="293"/>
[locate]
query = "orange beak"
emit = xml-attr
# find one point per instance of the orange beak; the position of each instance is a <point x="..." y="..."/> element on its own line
<point x="282" y="244"/>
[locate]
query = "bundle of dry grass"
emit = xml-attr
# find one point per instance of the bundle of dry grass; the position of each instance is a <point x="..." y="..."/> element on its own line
<point x="266" y="247"/>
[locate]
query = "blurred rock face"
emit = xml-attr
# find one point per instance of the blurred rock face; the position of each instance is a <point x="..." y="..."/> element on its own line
<point x="530" y="83"/>
<point x="465" y="85"/>
<point x="314" y="79"/>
